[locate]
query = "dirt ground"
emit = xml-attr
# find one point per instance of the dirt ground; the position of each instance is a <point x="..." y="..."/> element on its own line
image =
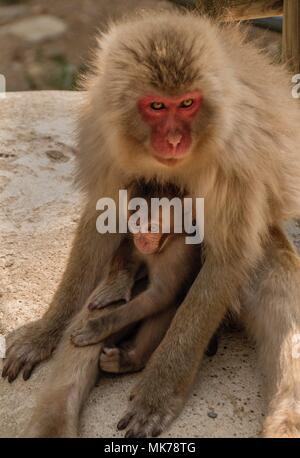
<point x="54" y="59"/>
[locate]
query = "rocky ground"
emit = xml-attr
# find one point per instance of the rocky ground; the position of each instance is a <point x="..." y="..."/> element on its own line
<point x="44" y="45"/>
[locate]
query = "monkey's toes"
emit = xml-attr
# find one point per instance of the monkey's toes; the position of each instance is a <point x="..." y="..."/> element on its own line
<point x="81" y="338"/>
<point x="110" y="360"/>
<point x="28" y="346"/>
<point x="97" y="305"/>
<point x="145" y="419"/>
<point x="144" y="422"/>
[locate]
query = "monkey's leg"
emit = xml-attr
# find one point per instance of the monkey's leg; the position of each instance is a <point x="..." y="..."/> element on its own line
<point x="132" y="355"/>
<point x="166" y="381"/>
<point x="35" y="341"/>
<point x="162" y="292"/>
<point x="73" y="374"/>
<point x="272" y="313"/>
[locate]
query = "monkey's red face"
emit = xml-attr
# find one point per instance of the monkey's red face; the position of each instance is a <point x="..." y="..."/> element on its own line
<point x="170" y="120"/>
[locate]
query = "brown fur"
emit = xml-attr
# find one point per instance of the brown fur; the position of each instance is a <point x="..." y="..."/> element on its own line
<point x="245" y="162"/>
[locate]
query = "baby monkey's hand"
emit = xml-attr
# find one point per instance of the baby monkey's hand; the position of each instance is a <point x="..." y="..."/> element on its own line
<point x="95" y="331"/>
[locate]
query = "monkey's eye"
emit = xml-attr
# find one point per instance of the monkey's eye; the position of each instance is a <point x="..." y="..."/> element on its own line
<point x="157" y="106"/>
<point x="187" y="103"/>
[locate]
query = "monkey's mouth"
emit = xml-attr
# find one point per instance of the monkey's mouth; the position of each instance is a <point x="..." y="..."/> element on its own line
<point x="169" y="162"/>
<point x="168" y="154"/>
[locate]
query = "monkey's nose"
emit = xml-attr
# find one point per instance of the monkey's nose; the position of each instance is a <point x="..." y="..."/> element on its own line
<point x="174" y="138"/>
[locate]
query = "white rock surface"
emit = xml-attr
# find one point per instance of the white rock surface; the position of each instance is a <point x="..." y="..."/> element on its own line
<point x="39" y="209"/>
<point x="36" y="28"/>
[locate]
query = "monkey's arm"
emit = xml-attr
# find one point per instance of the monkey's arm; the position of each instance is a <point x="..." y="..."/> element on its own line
<point x="35" y="341"/>
<point x="99" y="328"/>
<point x="167" y="278"/>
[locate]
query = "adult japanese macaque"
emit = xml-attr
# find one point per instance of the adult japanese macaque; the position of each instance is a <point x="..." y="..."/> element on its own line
<point x="176" y="97"/>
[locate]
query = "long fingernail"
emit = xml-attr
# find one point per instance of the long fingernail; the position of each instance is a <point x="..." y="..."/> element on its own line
<point x="27" y="374"/>
<point x="11" y="378"/>
<point x="124" y="423"/>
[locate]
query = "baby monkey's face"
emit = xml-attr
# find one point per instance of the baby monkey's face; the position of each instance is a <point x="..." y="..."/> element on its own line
<point x="159" y="226"/>
<point x="150" y="242"/>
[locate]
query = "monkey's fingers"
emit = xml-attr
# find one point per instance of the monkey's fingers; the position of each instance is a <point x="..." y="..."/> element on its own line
<point x="25" y="363"/>
<point x="101" y="303"/>
<point x="24" y="354"/>
<point x="97" y="305"/>
<point x="85" y="336"/>
<point x="147" y="415"/>
<point x="11" y="369"/>
<point x="144" y="421"/>
<point x="110" y="360"/>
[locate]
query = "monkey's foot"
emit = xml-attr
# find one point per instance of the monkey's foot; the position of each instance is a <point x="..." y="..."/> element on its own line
<point x="282" y="424"/>
<point x="151" y="410"/>
<point x="118" y="360"/>
<point x="27" y="347"/>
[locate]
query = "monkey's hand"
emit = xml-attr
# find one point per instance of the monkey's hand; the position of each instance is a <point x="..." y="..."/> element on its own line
<point x="152" y="407"/>
<point x="94" y="331"/>
<point x="28" y="346"/>
<point x="106" y="294"/>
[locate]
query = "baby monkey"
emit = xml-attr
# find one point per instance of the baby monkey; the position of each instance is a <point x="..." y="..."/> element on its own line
<point x="172" y="265"/>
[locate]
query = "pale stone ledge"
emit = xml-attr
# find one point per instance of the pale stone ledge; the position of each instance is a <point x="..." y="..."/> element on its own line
<point x="39" y="210"/>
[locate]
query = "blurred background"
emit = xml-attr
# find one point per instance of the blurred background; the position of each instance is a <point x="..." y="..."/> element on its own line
<point x="45" y="44"/>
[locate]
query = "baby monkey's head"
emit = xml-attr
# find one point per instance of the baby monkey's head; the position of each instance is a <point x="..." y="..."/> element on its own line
<point x="155" y="234"/>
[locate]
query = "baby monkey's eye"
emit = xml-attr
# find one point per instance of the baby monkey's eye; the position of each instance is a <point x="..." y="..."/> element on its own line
<point x="157" y="106"/>
<point x="187" y="103"/>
